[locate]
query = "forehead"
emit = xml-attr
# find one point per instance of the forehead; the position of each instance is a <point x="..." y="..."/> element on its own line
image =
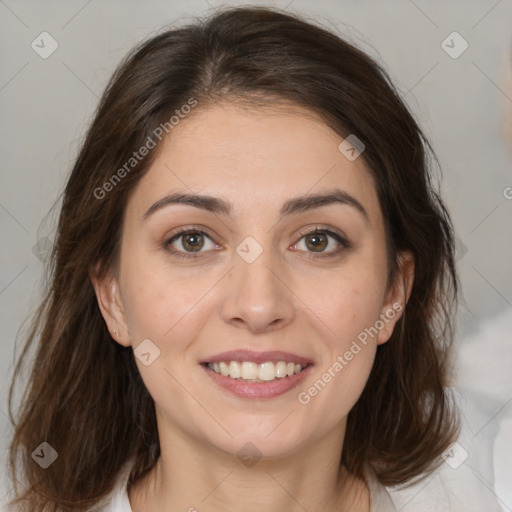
<point x="254" y="156"/>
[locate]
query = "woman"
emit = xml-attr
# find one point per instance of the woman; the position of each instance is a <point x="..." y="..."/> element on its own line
<point x="252" y="286"/>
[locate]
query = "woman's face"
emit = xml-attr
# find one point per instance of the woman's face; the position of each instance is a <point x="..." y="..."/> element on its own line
<point x="251" y="278"/>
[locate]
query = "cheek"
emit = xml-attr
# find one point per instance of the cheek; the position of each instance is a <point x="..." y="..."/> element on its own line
<point x="349" y="309"/>
<point x="348" y="302"/>
<point x="170" y="311"/>
<point x="161" y="305"/>
<point x="341" y="376"/>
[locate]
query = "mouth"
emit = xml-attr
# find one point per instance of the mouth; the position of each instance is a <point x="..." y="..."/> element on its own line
<point x="250" y="374"/>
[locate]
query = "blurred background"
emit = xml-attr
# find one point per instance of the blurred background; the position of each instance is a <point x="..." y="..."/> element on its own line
<point x="452" y="63"/>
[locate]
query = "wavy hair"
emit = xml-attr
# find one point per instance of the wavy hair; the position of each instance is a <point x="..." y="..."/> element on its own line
<point x="84" y="394"/>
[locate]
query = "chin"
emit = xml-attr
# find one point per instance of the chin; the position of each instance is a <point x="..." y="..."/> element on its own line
<point x="267" y="441"/>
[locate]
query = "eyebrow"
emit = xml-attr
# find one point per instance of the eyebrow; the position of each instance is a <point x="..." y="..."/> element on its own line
<point x="292" y="206"/>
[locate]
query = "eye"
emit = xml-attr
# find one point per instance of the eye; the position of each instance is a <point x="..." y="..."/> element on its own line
<point x="317" y="240"/>
<point x="188" y="242"/>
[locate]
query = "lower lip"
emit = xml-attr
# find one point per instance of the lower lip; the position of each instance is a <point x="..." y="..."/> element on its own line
<point x="269" y="389"/>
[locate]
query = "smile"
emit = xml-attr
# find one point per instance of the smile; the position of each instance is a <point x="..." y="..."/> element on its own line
<point x="257" y="381"/>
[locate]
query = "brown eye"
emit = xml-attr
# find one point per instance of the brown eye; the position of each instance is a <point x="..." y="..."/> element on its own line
<point x="321" y="242"/>
<point x="317" y="242"/>
<point x="192" y="241"/>
<point x="189" y="242"/>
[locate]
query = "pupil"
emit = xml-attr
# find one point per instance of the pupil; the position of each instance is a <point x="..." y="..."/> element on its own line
<point x="317" y="241"/>
<point x="193" y="240"/>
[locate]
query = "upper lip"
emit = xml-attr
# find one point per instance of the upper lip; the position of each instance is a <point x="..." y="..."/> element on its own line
<point x="257" y="357"/>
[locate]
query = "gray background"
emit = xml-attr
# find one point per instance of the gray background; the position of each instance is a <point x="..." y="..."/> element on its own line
<point x="464" y="105"/>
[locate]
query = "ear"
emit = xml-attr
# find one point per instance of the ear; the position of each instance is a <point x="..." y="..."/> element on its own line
<point x="397" y="296"/>
<point x="111" y="305"/>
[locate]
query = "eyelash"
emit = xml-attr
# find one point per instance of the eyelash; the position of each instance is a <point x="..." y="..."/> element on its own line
<point x="344" y="243"/>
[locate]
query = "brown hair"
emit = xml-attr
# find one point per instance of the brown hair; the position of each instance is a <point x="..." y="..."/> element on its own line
<point x="85" y="396"/>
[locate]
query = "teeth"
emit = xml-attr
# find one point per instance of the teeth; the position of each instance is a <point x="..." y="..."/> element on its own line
<point x="224" y="370"/>
<point x="264" y="372"/>
<point x="235" y="369"/>
<point x="249" y="371"/>
<point x="281" y="369"/>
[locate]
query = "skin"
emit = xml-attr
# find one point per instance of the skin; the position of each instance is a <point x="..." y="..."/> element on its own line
<point x="284" y="300"/>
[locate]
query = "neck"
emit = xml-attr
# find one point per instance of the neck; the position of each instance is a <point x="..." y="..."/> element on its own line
<point x="191" y="475"/>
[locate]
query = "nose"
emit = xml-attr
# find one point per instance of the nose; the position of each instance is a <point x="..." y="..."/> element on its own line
<point x="259" y="298"/>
